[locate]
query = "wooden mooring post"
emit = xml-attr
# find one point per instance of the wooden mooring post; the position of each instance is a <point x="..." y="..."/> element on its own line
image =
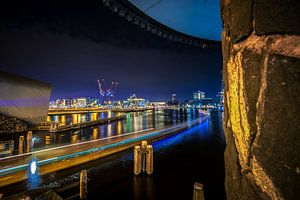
<point x="198" y="191"/>
<point x="143" y="159"/>
<point x="83" y="184"/>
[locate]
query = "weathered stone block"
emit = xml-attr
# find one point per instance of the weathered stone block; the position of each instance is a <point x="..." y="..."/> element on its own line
<point x="262" y="87"/>
<point x="274" y="16"/>
<point x="237" y="18"/>
<point x="237" y="186"/>
<point x="276" y="148"/>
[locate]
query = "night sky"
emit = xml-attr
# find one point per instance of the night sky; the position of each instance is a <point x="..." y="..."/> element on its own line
<point x="71" y="44"/>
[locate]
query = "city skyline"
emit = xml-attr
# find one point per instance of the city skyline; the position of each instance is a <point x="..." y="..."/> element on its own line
<point x="173" y="97"/>
<point x="191" y="97"/>
<point x="37" y="44"/>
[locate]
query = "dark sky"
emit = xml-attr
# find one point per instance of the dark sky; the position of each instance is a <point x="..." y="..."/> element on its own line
<point x="71" y="44"/>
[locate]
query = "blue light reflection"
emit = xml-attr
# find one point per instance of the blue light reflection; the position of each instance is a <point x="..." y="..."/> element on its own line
<point x="34" y="179"/>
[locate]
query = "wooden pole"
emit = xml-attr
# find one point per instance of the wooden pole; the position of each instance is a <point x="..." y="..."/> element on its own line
<point x="137" y="160"/>
<point x="198" y="191"/>
<point x="149" y="160"/>
<point x="83" y="184"/>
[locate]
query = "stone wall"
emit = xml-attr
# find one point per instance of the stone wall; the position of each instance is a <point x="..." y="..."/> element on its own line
<point x="261" y="58"/>
<point x="11" y="125"/>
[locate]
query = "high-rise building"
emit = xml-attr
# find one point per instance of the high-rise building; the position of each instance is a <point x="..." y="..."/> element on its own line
<point x="68" y="103"/>
<point x="92" y="101"/>
<point x="173" y="97"/>
<point x="198" y="95"/>
<point x="60" y="103"/>
<point x="133" y="101"/>
<point x="81" y="102"/>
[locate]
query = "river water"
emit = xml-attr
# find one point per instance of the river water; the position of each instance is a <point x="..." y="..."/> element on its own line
<point x="134" y="122"/>
<point x="194" y="155"/>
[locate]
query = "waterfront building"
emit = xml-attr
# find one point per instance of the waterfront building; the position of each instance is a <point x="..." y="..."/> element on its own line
<point x="173" y="98"/>
<point x="205" y="103"/>
<point x="52" y="104"/>
<point x="158" y="104"/>
<point x="81" y="102"/>
<point x="173" y="101"/>
<point x="23" y="101"/>
<point x="60" y="103"/>
<point x="68" y="103"/>
<point x="92" y="102"/>
<point x="198" y="95"/>
<point x="134" y="101"/>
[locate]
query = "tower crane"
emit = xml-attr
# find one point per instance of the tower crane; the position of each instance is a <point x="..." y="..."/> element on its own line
<point x="107" y="93"/>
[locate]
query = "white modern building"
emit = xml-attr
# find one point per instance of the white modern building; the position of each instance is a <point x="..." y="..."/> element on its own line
<point x="198" y="95"/>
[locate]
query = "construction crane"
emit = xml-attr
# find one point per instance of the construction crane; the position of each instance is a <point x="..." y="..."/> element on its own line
<point x="107" y="93"/>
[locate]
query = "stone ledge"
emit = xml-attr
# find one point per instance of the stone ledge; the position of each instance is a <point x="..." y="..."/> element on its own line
<point x="11" y="125"/>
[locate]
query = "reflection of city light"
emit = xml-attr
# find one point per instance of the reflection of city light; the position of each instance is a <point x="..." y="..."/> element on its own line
<point x="74" y="137"/>
<point x="33" y="167"/>
<point x="95" y="133"/>
<point x="83" y="118"/>
<point x="109" y="132"/>
<point x="74" y="119"/>
<point x="47" y="139"/>
<point x="33" y="174"/>
<point x="63" y="120"/>
<point x="79" y="118"/>
<point x="94" y="116"/>
<point x="119" y="128"/>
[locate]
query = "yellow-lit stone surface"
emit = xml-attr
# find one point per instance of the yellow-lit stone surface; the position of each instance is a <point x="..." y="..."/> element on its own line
<point x="261" y="72"/>
<point x="237" y="106"/>
<point x="261" y="119"/>
<point x="263" y="181"/>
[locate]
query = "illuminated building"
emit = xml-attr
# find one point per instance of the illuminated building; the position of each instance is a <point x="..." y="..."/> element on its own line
<point x="133" y="101"/>
<point x="198" y="95"/>
<point x="173" y="98"/>
<point x="92" y="101"/>
<point x="68" y="103"/>
<point x="60" y="103"/>
<point x="158" y="104"/>
<point x="81" y="102"/>
<point x="52" y="104"/>
<point x="173" y="101"/>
